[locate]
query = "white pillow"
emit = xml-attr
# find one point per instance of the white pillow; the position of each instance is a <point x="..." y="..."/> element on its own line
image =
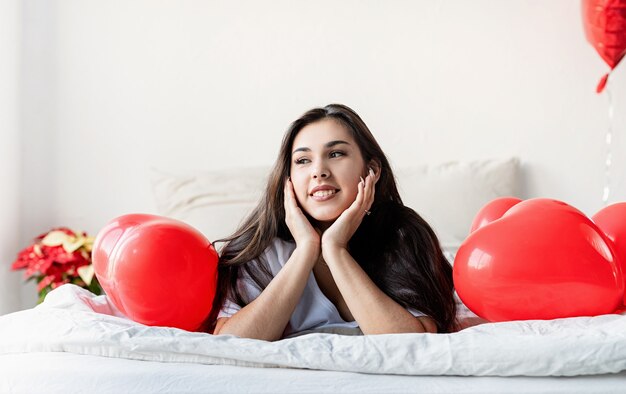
<point x="214" y="202"/>
<point x="446" y="195"/>
<point x="449" y="195"/>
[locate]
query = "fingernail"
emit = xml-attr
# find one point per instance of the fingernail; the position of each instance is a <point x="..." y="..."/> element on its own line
<point x="362" y="180"/>
<point x="371" y="171"/>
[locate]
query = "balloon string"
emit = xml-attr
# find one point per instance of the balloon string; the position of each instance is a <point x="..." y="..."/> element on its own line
<point x="608" y="140"/>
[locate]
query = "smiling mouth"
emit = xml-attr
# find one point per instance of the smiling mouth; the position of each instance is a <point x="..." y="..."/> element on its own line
<point x="323" y="195"/>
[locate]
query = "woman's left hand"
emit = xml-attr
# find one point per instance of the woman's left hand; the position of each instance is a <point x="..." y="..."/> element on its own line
<point x="340" y="232"/>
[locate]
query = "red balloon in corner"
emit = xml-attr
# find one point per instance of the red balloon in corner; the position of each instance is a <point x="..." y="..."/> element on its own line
<point x="156" y="270"/>
<point x="493" y="210"/>
<point x="543" y="259"/>
<point x="612" y="220"/>
<point x="604" y="22"/>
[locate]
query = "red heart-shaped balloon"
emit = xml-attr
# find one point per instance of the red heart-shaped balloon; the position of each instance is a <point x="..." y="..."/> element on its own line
<point x="157" y="271"/>
<point x="612" y="221"/>
<point x="604" y="22"/>
<point x="493" y="210"/>
<point x="543" y="259"/>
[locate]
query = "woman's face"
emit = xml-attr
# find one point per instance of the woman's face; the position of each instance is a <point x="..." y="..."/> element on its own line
<point x="326" y="167"/>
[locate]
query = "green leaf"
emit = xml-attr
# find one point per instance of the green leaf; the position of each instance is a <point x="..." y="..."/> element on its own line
<point x="43" y="293"/>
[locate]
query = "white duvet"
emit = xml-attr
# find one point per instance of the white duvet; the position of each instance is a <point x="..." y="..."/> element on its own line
<point x="76" y="321"/>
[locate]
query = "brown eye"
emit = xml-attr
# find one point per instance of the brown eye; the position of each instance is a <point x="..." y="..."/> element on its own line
<point x="302" y="160"/>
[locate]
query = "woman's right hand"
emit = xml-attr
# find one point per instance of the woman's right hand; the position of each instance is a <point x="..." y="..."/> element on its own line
<point x="301" y="229"/>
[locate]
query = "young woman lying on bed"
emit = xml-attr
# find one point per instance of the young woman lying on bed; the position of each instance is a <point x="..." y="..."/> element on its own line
<point x="331" y="245"/>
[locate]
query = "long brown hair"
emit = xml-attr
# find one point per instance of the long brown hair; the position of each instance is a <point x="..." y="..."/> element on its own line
<point x="407" y="262"/>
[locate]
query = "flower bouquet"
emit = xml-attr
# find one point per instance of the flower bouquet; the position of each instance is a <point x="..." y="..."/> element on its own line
<point x="57" y="257"/>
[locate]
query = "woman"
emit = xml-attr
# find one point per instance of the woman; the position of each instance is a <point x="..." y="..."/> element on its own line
<point x="330" y="246"/>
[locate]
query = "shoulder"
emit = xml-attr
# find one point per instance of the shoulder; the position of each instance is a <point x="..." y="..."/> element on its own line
<point x="277" y="247"/>
<point x="280" y="247"/>
<point x="277" y="253"/>
<point x="258" y="272"/>
<point x="280" y="243"/>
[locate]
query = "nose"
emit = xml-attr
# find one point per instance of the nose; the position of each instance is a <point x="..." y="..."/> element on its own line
<point x="320" y="172"/>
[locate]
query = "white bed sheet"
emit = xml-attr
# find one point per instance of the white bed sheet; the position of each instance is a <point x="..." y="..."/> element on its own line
<point x="77" y="342"/>
<point x="51" y="373"/>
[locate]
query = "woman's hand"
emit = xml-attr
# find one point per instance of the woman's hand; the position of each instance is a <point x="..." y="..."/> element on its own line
<point x="340" y="232"/>
<point x="301" y="229"/>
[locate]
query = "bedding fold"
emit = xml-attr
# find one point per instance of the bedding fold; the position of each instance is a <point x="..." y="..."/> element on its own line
<point x="74" y="320"/>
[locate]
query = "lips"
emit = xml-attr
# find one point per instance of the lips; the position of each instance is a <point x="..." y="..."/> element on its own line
<point x="323" y="188"/>
<point x="323" y="192"/>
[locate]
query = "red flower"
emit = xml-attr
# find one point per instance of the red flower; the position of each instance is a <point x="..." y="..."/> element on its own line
<point x="59" y="255"/>
<point x="38" y="266"/>
<point x="59" y="283"/>
<point x="24" y="258"/>
<point x="54" y="258"/>
<point x="46" y="281"/>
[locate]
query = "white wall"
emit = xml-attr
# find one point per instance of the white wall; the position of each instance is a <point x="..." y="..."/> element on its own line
<point x="112" y="88"/>
<point x="9" y="152"/>
<point x="38" y="122"/>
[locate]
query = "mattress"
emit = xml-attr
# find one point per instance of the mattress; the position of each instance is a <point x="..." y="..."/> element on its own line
<point x="52" y="373"/>
<point x="78" y="342"/>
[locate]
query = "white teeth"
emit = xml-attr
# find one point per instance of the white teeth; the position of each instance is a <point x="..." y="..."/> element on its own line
<point x="323" y="193"/>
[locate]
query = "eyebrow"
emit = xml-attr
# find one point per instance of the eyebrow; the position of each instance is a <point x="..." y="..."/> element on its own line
<point x="327" y="145"/>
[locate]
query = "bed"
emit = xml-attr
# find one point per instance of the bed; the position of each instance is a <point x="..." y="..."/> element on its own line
<point x="78" y="342"/>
